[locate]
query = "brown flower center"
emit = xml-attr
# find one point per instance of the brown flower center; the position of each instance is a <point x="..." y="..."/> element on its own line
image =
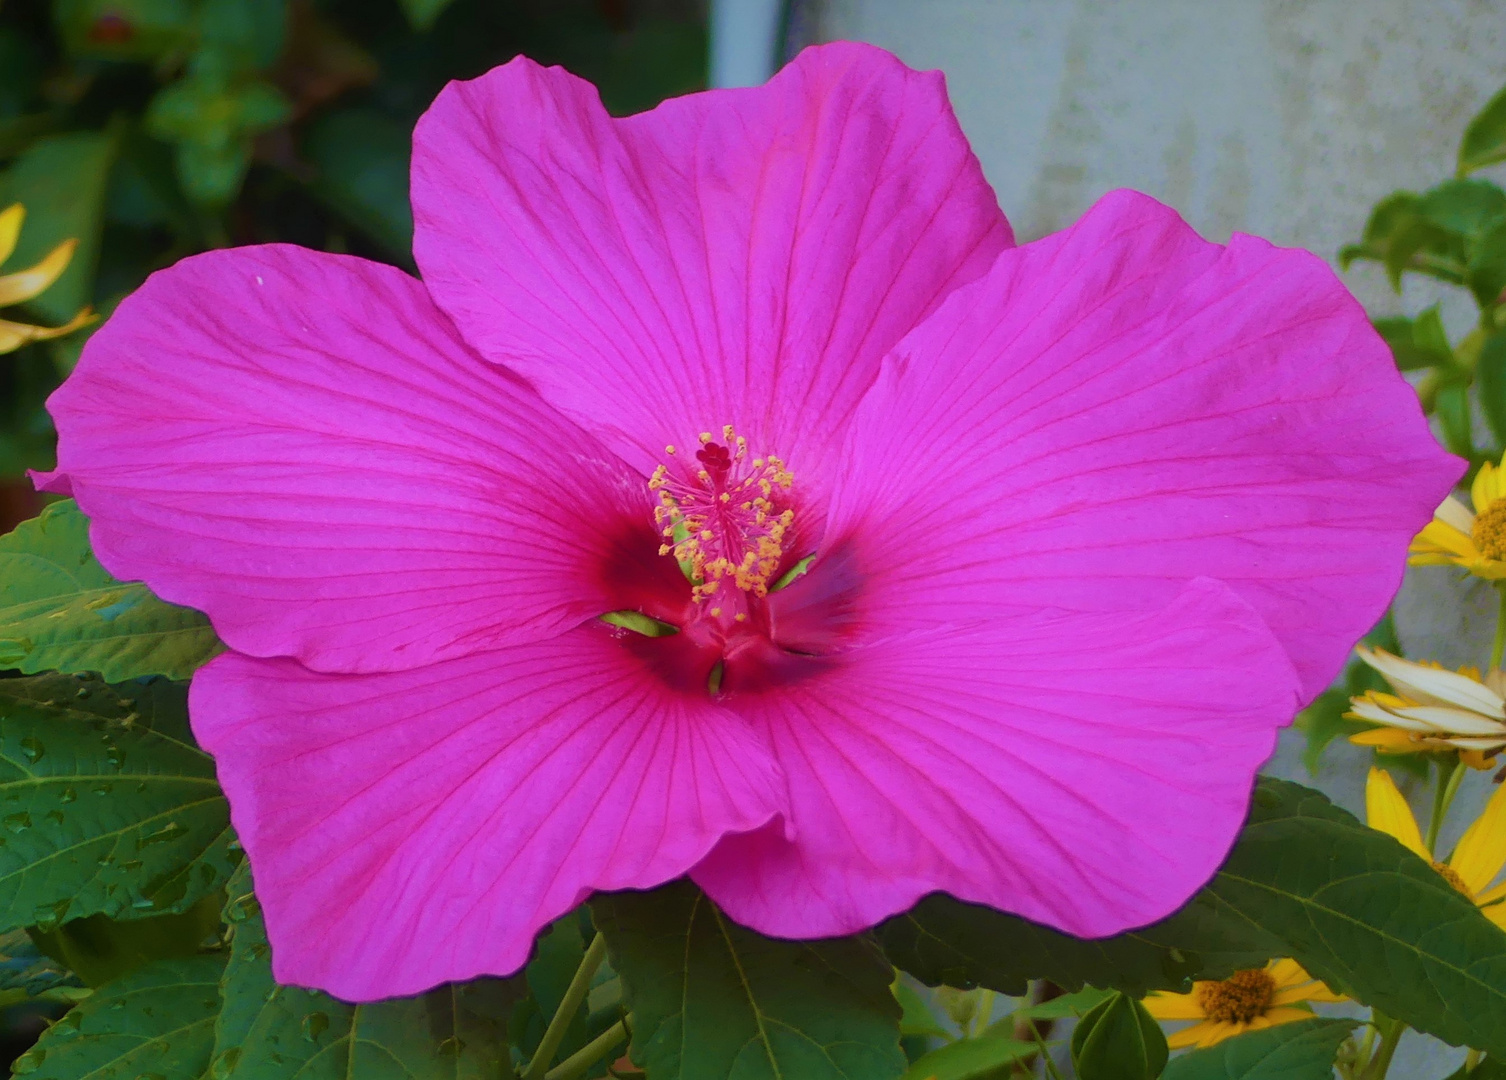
<point x="1489" y="533"/>
<point x="1238" y="999"/>
<point x="1451" y="876"/>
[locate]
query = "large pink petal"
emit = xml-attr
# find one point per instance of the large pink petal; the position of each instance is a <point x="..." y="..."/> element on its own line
<point x="1088" y="771"/>
<point x="739" y="256"/>
<point x="300" y="445"/>
<point x="414" y="827"/>
<point x="1121" y="407"/>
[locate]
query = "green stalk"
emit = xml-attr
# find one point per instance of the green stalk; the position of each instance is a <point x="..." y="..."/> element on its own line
<point x="580" y="985"/>
<point x="1448" y="786"/>
<point x="984" y="1013"/>
<point x="1385" y="1052"/>
<point x="579" y="1063"/>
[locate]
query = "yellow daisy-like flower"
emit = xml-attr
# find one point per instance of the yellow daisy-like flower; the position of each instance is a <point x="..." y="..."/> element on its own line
<point x="1478" y="858"/>
<point x="1246" y="1001"/>
<point x="26" y="284"/>
<point x="1432" y="709"/>
<point x="1474" y="540"/>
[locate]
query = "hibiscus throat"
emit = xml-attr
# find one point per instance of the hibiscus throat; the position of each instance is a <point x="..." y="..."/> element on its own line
<point x="726" y="517"/>
<point x="1238" y="999"/>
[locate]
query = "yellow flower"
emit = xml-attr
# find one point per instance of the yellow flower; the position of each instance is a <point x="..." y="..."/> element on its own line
<point x="1478" y="858"/>
<point x="1246" y="1001"/>
<point x="1474" y="540"/>
<point x="1432" y="709"/>
<point x="24" y="285"/>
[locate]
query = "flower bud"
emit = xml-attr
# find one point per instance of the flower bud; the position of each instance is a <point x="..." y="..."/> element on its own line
<point x="1118" y="1040"/>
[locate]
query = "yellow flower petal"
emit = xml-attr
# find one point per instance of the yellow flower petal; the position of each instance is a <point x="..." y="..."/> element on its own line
<point x="1386" y="810"/>
<point x="1496" y="896"/>
<point x="13" y="334"/>
<point x="1486" y="489"/>
<point x="1221" y="1030"/>
<point x="24" y="284"/>
<point x="1389" y="741"/>
<point x="1191" y="1036"/>
<point x="1167" y="1006"/>
<point x="1287" y="973"/>
<point x="10" y="228"/>
<point x="1439" y="537"/>
<point x="1478" y="759"/>
<point x="1482" y="849"/>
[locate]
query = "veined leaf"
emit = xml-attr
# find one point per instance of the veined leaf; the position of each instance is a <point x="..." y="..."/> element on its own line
<point x="61" y="611"/>
<point x="106" y="805"/>
<point x="711" y="999"/>
<point x="970" y="1059"/>
<point x="268" y="1032"/>
<point x="1304" y="880"/>
<point x="157" y="1022"/>
<point x="1301" y="1050"/>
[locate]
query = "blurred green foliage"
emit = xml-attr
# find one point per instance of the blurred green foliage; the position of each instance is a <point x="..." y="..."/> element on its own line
<point x="153" y="129"/>
<point x="1454" y="232"/>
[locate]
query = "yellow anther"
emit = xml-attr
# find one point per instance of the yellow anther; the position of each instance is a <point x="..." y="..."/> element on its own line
<point x="705" y="436"/>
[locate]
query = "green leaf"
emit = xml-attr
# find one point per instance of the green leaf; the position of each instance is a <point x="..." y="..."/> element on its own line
<point x="269" y="1032"/>
<point x="362" y="162"/>
<point x="1305" y="880"/>
<point x="1300" y="1050"/>
<point x="711" y="999"/>
<point x="1487" y="266"/>
<point x="156" y="1024"/>
<point x="249" y="32"/>
<point x="1060" y="1008"/>
<point x="1417" y="343"/>
<point x="1489" y="1069"/>
<point x="212" y="119"/>
<point x="916" y="1017"/>
<point x="1490" y="379"/>
<point x="1322" y="722"/>
<point x="1484" y="141"/>
<point x="982" y="1058"/>
<point x="106" y="805"/>
<point x="61" y="180"/>
<point x="422" y="13"/>
<point x="1467" y="207"/>
<point x="942" y="940"/>
<point x="1118" y="1039"/>
<point x="1367" y="916"/>
<point x="27" y="969"/>
<point x="61" y="611"/>
<point x="101" y="949"/>
<point x="1451" y="406"/>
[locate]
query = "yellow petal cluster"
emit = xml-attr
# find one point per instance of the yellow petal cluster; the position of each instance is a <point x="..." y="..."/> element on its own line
<point x="1477" y="860"/>
<point x="1432" y="709"/>
<point x="1246" y="1001"/>
<point x="24" y="285"/>
<point x="1472" y="539"/>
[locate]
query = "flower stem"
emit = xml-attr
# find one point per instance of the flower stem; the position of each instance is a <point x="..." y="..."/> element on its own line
<point x="579" y="1063"/>
<point x="580" y="985"/>
<point x="1499" y="645"/>
<point x="1448" y="785"/>
<point x="1386" y="1051"/>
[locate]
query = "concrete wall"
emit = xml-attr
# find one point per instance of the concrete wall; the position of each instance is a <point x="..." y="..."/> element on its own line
<point x="1284" y="118"/>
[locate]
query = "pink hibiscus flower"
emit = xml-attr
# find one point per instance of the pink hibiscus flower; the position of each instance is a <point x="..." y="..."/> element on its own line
<point x="1087" y="520"/>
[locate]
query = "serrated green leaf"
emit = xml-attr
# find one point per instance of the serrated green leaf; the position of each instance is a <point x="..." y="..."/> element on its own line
<point x="1305" y="880"/>
<point x="422" y="13"/>
<point x="270" y="1032"/>
<point x="916" y="1017"/>
<point x="61" y="180"/>
<point x="1301" y="1050"/>
<point x="711" y="999"/>
<point x="106" y="805"/>
<point x="157" y="1023"/>
<point x="99" y="949"/>
<point x="61" y="611"/>
<point x="982" y="1058"/>
<point x="1484" y="141"/>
